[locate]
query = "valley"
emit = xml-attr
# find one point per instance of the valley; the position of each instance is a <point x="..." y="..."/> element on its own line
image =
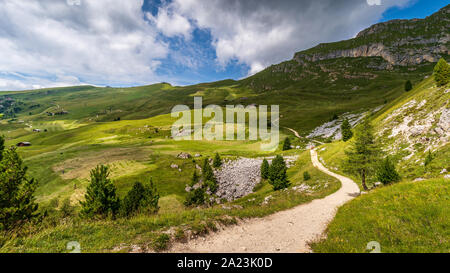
<point x="62" y="134"/>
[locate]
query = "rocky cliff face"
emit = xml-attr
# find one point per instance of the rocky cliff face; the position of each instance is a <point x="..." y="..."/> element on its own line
<point x="430" y="52"/>
<point x="399" y="42"/>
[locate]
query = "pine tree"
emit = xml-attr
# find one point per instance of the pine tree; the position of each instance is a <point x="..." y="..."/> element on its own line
<point x="140" y="199"/>
<point x="346" y="130"/>
<point x="195" y="178"/>
<point x="209" y="180"/>
<point x="428" y="158"/>
<point x="17" y="204"/>
<point x="363" y="153"/>
<point x="387" y="173"/>
<point x="217" y="161"/>
<point x="442" y="72"/>
<point x="287" y="144"/>
<point x="306" y="176"/>
<point x="195" y="197"/>
<point x="277" y="174"/>
<point x="2" y="146"/>
<point x="100" y="198"/>
<point x="265" y="169"/>
<point x="408" y="86"/>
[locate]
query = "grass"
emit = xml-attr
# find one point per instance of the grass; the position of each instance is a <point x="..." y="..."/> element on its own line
<point x="95" y="236"/>
<point x="404" y="218"/>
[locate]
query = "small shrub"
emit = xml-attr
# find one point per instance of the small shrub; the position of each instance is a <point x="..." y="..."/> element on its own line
<point x="54" y="203"/>
<point x="141" y="199"/>
<point x="217" y="163"/>
<point x="67" y="209"/>
<point x="265" y="169"/>
<point x="180" y="235"/>
<point x="211" y="226"/>
<point x="306" y="176"/>
<point x="346" y="130"/>
<point x="408" y="86"/>
<point x="428" y="158"/>
<point x="442" y="72"/>
<point x="195" y="197"/>
<point x="287" y="144"/>
<point x="387" y="173"/>
<point x="161" y="242"/>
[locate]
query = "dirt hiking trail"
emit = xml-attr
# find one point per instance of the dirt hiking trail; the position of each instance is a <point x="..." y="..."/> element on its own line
<point x="287" y="231"/>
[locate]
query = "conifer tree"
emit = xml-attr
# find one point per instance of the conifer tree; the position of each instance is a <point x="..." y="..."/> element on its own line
<point x="442" y="72"/>
<point x="265" y="169"/>
<point x="408" y="86"/>
<point x="387" y="173"/>
<point x="346" y="130"/>
<point x="100" y="198"/>
<point x="277" y="174"/>
<point x="2" y="146"/>
<point x="287" y="144"/>
<point x="209" y="180"/>
<point x="217" y="161"/>
<point x="363" y="153"/>
<point x="17" y="204"/>
<point x="141" y="199"/>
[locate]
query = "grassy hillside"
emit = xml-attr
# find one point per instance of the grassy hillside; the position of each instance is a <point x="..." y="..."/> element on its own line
<point x="421" y="107"/>
<point x="145" y="232"/>
<point x="407" y="217"/>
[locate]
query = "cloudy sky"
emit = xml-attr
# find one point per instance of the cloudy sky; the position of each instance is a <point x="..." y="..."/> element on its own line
<point x="50" y="43"/>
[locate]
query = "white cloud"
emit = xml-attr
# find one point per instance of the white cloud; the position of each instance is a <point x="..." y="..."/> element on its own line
<point x="99" y="41"/>
<point x="374" y="2"/>
<point x="171" y="24"/>
<point x="263" y="32"/>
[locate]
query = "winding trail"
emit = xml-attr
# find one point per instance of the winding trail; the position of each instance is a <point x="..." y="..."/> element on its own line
<point x="287" y="231"/>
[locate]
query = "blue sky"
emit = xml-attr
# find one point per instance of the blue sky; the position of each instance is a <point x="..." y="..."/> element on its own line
<point x="52" y="43"/>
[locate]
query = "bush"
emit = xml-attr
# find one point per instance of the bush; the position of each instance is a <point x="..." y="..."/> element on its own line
<point x="217" y="161"/>
<point x="408" y="86"/>
<point x="195" y="197"/>
<point x="265" y="169"/>
<point x="140" y="199"/>
<point x="428" y="158"/>
<point x="306" y="176"/>
<point x="161" y="242"/>
<point x="277" y="174"/>
<point x="287" y="144"/>
<point x="442" y="72"/>
<point x="387" y="173"/>
<point x="100" y="198"/>
<point x="67" y="209"/>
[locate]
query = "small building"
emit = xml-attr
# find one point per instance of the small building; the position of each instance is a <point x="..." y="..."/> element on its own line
<point x="23" y="144"/>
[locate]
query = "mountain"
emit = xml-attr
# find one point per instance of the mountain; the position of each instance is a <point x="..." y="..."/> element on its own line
<point x="330" y="79"/>
<point x="396" y="46"/>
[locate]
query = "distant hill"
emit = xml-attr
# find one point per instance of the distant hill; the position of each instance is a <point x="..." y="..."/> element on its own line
<point x="330" y="79"/>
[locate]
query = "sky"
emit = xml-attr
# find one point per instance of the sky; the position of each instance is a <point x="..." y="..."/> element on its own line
<point x="51" y="43"/>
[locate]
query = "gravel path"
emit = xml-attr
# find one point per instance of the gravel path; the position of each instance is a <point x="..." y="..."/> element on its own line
<point x="286" y="231"/>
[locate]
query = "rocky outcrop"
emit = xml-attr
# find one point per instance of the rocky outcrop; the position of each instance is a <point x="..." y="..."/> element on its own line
<point x="398" y="42"/>
<point x="238" y="178"/>
<point x="429" y="51"/>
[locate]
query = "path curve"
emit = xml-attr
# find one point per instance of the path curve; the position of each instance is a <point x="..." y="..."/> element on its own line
<point x="298" y="135"/>
<point x="287" y="231"/>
